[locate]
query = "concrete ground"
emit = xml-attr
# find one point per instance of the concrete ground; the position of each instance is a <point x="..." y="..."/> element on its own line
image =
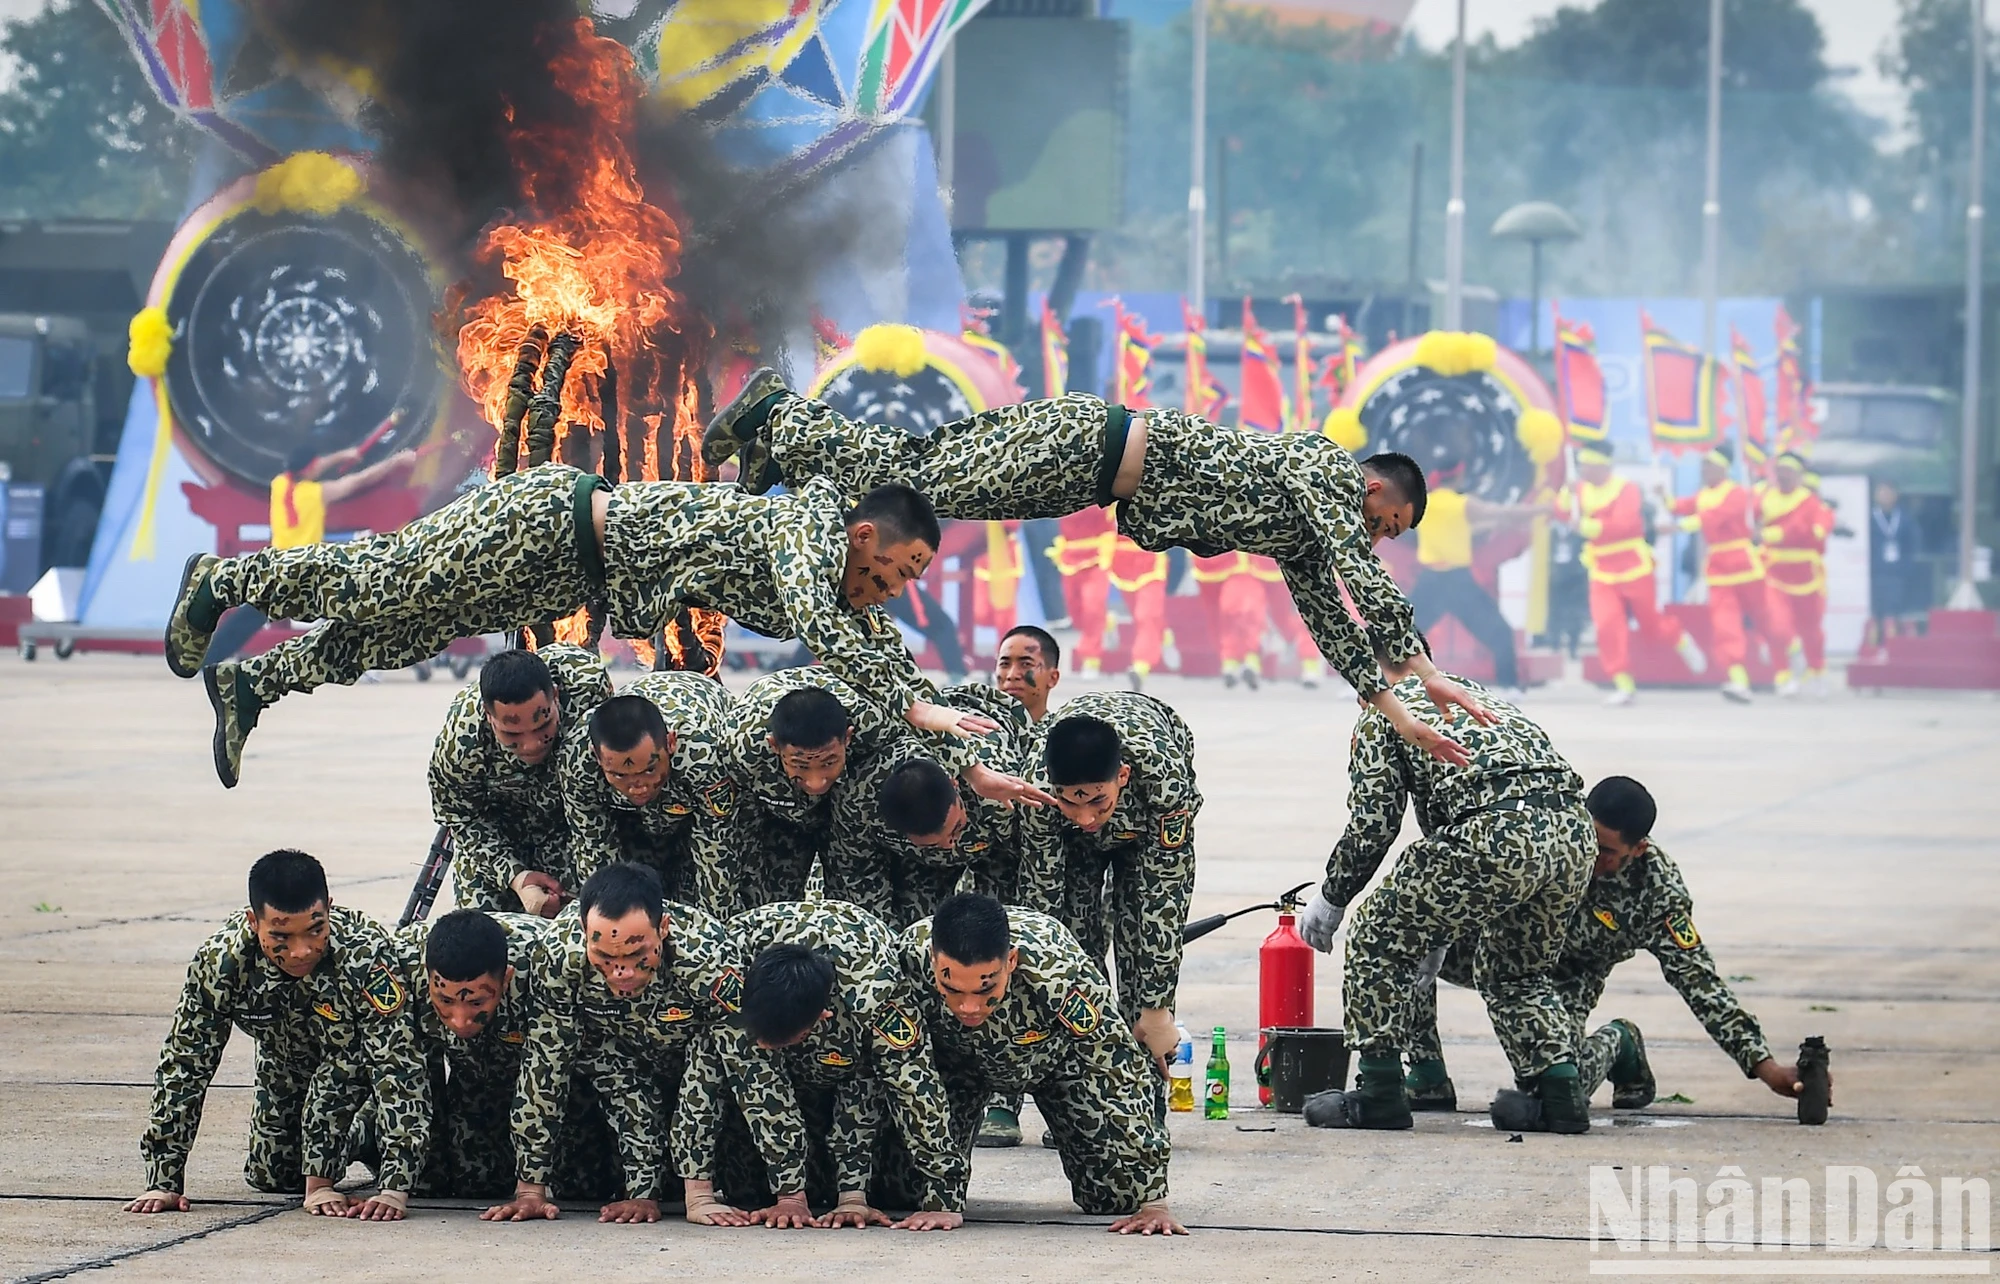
<point x="1841" y="855"/>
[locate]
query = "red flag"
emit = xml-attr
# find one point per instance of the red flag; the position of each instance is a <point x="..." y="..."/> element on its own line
<point x="1204" y="396"/>
<point x="1579" y="381"/>
<point x="1682" y="392"/>
<point x="1301" y="418"/>
<point x="1055" y="354"/>
<point x="1795" y="424"/>
<point x="1132" y="358"/>
<point x="1750" y="390"/>
<point x="1263" y="405"/>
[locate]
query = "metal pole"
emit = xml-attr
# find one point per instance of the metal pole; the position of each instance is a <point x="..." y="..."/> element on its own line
<point x="1711" y="203"/>
<point x="1454" y="210"/>
<point x="1534" y="297"/>
<point x="1965" y="596"/>
<point x="1412" y="280"/>
<point x="948" y="125"/>
<point x="1198" y="160"/>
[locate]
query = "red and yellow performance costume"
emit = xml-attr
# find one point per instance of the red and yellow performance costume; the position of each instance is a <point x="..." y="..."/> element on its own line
<point x="1093" y="557"/>
<point x="1612" y="522"/>
<point x="1726" y="516"/>
<point x="1796" y="525"/>
<point x="1242" y="593"/>
<point x="996" y="577"/>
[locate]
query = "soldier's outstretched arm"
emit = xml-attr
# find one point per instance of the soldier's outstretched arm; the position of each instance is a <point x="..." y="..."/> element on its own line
<point x="1161" y="887"/>
<point x="635" y="1111"/>
<point x="392" y="1057"/>
<point x="1377" y="794"/>
<point x="859" y="1103"/>
<point x="1689" y="967"/>
<point x="188" y="1061"/>
<point x="541" y="1088"/>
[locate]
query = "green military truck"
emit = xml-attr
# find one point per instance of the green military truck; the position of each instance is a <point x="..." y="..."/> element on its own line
<point x="1905" y="435"/>
<point x="68" y="289"/>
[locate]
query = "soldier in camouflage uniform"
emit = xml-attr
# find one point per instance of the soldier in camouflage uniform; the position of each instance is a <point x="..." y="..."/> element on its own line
<point x="650" y="779"/>
<point x="825" y="998"/>
<point x="1506" y="852"/>
<point x="1636" y="901"/>
<point x="1121" y="768"/>
<point x="1011" y="1002"/>
<point x="543" y="542"/>
<point x="494" y="780"/>
<point x="623" y="984"/>
<point x="1178" y="480"/>
<point x="318" y="987"/>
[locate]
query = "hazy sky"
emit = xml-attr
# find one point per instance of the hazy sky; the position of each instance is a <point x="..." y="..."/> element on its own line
<point x="1856" y="31"/>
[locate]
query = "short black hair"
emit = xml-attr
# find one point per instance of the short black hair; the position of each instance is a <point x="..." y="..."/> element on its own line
<point x="1402" y="472"/>
<point x="621" y="722"/>
<point x="465" y="945"/>
<point x="1623" y="804"/>
<point x="287" y="881"/>
<point x="1051" y="649"/>
<point x="916" y="796"/>
<point x="899" y="511"/>
<point x="513" y="677"/>
<point x="808" y="718"/>
<point x="301" y="458"/>
<point x="971" y="928"/>
<point x="1083" y="751"/>
<point x="784" y="991"/>
<point x="617" y="890"/>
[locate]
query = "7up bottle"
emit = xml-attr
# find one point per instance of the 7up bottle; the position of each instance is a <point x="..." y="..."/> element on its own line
<point x="1216" y="1105"/>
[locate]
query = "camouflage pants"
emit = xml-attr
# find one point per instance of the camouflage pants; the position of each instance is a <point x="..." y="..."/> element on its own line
<point x="494" y="559"/>
<point x="1119" y="912"/>
<point x="1595" y="1050"/>
<point x="481" y="885"/>
<point x="1112" y="1138"/>
<point x="1204" y="487"/>
<point x="742" y="1179"/>
<point x="472" y="1143"/>
<point x="276" y="1162"/>
<point x="780" y="862"/>
<point x="1510" y="878"/>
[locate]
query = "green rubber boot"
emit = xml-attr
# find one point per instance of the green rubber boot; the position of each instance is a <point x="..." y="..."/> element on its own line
<point x="1632" y="1086"/>
<point x="1564" y="1107"/>
<point x="1000" y="1130"/>
<point x="1379" y="1092"/>
<point x="1429" y="1087"/>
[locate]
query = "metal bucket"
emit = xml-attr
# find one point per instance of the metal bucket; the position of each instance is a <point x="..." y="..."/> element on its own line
<point x="1299" y="1061"/>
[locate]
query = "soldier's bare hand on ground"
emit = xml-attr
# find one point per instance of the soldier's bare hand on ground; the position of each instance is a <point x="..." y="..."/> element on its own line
<point x="704" y="1209"/>
<point x="925" y="716"/>
<point x="930" y="1221"/>
<point x="853" y="1210"/>
<point x="158" y="1201"/>
<point x="322" y="1200"/>
<point x="1153" y="1219"/>
<point x="998" y="786"/>
<point x="1786" y="1080"/>
<point x="524" y="1207"/>
<point x="789" y="1212"/>
<point x="384" y="1207"/>
<point x="630" y="1212"/>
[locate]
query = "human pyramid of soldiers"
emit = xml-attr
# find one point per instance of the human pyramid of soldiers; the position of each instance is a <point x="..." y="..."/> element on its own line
<point x="789" y="955"/>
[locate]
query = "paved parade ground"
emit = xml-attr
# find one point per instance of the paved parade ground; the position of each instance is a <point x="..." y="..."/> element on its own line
<point x="1841" y="853"/>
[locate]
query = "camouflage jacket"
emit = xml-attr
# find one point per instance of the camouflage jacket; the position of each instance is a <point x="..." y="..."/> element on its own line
<point x="1152" y="827"/>
<point x="772" y="563"/>
<point x="491" y="1061"/>
<point x="622" y="1044"/>
<point x="990" y="843"/>
<point x="1646" y="906"/>
<point x="1057" y="1023"/>
<point x="1513" y="763"/>
<point x="871" y="1051"/>
<point x="506" y="817"/>
<point x="696" y="807"/>
<point x="344" y="1020"/>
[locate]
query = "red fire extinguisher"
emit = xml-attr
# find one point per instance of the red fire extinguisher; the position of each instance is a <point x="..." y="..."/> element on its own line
<point x="1284" y="973"/>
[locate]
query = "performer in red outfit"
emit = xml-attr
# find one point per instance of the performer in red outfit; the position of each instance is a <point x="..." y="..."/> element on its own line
<point x="1726" y="515"/>
<point x="1796" y="525"/>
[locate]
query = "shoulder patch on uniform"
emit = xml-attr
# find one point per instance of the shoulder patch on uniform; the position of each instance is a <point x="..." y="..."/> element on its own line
<point x="1680" y="927"/>
<point x="326" y="1010"/>
<point x="384" y="991"/>
<point x="836" y="1060"/>
<point x="1605" y="917"/>
<point x="720" y="797"/>
<point x="1078" y="1013"/>
<point x="728" y="990"/>
<point x="1028" y="1038"/>
<point x="897" y="1027"/>
<point x="1174" y="828"/>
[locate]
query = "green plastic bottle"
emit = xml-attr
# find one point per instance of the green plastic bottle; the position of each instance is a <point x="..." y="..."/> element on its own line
<point x="1215" y="1105"/>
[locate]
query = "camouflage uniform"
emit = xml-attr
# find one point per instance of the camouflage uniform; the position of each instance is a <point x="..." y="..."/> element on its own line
<point x="1295" y="497"/>
<point x="523" y="549"/>
<point x="1506" y="852"/>
<point x="506" y="817"/>
<point x="791" y="829"/>
<point x="1058" y="1034"/>
<point x="865" y="1065"/>
<point x="1644" y="906"/>
<point x="692" y="830"/>
<point x="1145" y="848"/>
<point x="325" y="1043"/>
<point x="631" y="1051"/>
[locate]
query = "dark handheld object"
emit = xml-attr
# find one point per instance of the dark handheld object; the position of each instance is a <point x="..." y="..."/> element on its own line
<point x="1203" y="926"/>
<point x="1815" y="1081"/>
<point x="430" y="880"/>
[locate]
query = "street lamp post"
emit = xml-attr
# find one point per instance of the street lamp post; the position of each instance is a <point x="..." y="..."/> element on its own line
<point x="1454" y="210"/>
<point x="1198" y="160"/>
<point x="1965" y="595"/>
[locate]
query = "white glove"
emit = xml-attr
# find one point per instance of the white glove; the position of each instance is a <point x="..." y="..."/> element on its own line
<point x="1320" y="921"/>
<point x="1427" y="971"/>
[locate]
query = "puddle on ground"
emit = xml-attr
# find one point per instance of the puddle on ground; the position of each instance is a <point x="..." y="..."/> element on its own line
<point x="1610" y="1121"/>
